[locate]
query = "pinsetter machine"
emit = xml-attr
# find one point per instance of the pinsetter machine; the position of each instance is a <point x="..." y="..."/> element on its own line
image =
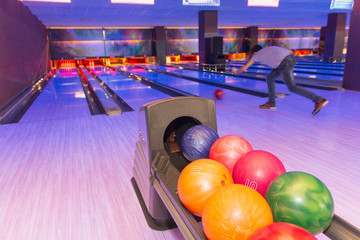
<point x="159" y="161"/>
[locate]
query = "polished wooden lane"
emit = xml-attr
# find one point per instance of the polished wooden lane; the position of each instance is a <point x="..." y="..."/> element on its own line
<point x="69" y="178"/>
<point x="131" y="91"/>
<point x="63" y="97"/>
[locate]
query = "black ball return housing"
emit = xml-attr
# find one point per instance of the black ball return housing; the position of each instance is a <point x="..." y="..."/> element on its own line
<point x="159" y="161"/>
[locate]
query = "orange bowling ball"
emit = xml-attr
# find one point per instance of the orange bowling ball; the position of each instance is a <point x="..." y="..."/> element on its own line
<point x="198" y="181"/>
<point x="235" y="212"/>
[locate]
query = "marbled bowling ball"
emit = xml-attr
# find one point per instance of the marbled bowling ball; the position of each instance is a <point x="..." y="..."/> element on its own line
<point x="229" y="149"/>
<point x="301" y="199"/>
<point x="197" y="141"/>
<point x="257" y="169"/>
<point x="198" y="181"/>
<point x="235" y="211"/>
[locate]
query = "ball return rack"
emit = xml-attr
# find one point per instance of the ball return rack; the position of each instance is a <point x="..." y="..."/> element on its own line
<point x="159" y="161"/>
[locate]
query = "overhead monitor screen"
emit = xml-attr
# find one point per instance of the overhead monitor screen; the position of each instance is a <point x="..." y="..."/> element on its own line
<point x="263" y="3"/>
<point x="149" y="2"/>
<point x="342" y="4"/>
<point x="201" y="2"/>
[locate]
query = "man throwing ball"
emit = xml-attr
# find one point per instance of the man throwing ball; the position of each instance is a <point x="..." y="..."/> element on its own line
<point x="282" y="62"/>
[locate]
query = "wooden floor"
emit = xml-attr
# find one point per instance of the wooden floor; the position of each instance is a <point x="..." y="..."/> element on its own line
<point x="68" y="176"/>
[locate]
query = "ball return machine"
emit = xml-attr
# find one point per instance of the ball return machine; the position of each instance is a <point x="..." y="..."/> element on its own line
<point x="159" y="161"/>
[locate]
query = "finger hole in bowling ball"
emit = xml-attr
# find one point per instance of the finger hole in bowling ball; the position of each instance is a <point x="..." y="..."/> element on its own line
<point x="172" y="139"/>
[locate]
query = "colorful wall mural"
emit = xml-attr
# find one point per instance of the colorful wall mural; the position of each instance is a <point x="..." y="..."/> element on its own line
<point x="180" y="41"/>
<point x="290" y="38"/>
<point x="128" y="42"/>
<point x="79" y="43"/>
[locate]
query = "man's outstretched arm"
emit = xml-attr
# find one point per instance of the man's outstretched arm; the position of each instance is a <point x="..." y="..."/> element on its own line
<point x="243" y="68"/>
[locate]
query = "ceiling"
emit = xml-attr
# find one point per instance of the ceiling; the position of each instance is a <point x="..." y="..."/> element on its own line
<point x="171" y="13"/>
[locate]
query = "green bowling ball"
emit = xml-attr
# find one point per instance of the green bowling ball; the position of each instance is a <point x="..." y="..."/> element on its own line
<point x="301" y="199"/>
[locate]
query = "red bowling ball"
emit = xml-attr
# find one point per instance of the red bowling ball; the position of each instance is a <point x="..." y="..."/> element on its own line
<point x="219" y="94"/>
<point x="279" y="231"/>
<point x="229" y="149"/>
<point x="257" y="169"/>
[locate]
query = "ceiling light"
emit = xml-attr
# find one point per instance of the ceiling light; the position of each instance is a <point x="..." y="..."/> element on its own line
<point x="263" y="3"/>
<point x="150" y="2"/>
<point x="56" y="1"/>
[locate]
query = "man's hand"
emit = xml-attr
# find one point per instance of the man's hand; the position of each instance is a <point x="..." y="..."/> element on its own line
<point x="236" y="71"/>
<point x="243" y="68"/>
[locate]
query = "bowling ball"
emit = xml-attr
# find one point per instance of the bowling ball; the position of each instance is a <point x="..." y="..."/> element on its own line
<point x="257" y="169"/>
<point x="219" y="94"/>
<point x="229" y="149"/>
<point x="197" y="141"/>
<point x="234" y="212"/>
<point x="198" y="181"/>
<point x="301" y="199"/>
<point x="281" y="231"/>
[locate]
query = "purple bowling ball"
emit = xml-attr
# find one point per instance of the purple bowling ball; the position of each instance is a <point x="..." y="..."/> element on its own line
<point x="197" y="141"/>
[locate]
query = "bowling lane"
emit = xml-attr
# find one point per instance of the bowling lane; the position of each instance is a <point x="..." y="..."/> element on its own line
<point x="310" y="70"/>
<point x="321" y="67"/>
<point x="192" y="87"/>
<point x="232" y="98"/>
<point x="132" y="92"/>
<point x="326" y="70"/>
<point x="300" y="66"/>
<point x="310" y="79"/>
<point x="63" y="97"/>
<point x="333" y="75"/>
<point x="314" y="75"/>
<point x="322" y="63"/>
<point x="241" y="82"/>
<point x="245" y="83"/>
